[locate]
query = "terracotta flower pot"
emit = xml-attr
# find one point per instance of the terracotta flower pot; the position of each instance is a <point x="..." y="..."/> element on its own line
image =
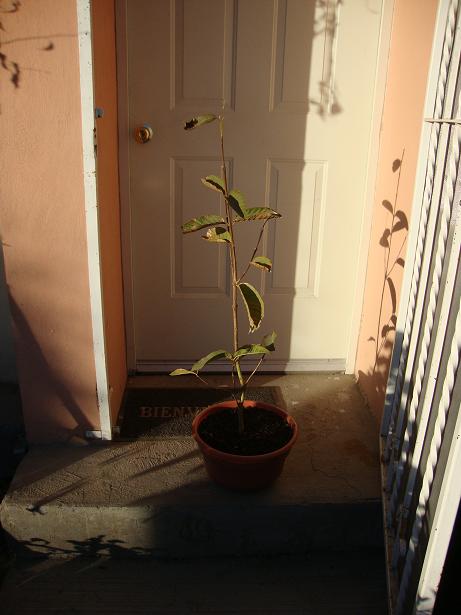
<point x="243" y="472"/>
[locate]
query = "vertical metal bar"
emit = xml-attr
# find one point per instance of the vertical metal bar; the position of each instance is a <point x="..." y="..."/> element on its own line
<point x="435" y="444"/>
<point x="420" y="271"/>
<point x="449" y="237"/>
<point x="443" y="522"/>
<point x="426" y="309"/>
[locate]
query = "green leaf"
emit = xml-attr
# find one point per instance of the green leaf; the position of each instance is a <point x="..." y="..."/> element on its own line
<point x="262" y="262"/>
<point x="249" y="349"/>
<point x="217" y="234"/>
<point x="214" y="183"/>
<point x="213" y="356"/>
<point x="202" y="222"/>
<point x="237" y="202"/>
<point x="182" y="372"/>
<point x="200" y="120"/>
<point x="258" y="213"/>
<point x="253" y="303"/>
<point x="269" y="341"/>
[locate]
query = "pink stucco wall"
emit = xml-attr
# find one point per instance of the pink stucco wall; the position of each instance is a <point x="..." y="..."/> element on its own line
<point x="42" y="220"/>
<point x="411" y="42"/>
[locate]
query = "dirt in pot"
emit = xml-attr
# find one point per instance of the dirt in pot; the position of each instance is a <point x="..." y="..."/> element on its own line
<point x="265" y="431"/>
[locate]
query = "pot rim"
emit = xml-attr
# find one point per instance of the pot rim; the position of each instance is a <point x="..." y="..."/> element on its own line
<point x="214" y="452"/>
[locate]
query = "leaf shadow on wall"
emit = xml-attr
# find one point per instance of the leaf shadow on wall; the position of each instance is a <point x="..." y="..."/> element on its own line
<point x="8" y="60"/>
<point x="393" y="241"/>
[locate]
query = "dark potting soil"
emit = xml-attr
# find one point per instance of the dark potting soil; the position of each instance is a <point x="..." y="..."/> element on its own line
<point x="265" y="431"/>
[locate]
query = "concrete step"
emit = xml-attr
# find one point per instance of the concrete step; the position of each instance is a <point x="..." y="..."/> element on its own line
<point x="154" y="497"/>
<point x="347" y="583"/>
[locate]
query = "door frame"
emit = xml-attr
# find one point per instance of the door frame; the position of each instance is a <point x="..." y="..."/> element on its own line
<point x="358" y="276"/>
<point x="92" y="219"/>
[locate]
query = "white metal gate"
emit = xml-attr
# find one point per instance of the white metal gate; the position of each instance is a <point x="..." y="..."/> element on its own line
<point x="422" y="421"/>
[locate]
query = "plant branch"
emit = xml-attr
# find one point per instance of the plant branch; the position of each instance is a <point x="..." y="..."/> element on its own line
<point x="255" y="370"/>
<point x="204" y="381"/>
<point x="254" y="251"/>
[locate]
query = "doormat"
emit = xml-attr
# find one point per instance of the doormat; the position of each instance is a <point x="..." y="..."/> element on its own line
<point x="168" y="413"/>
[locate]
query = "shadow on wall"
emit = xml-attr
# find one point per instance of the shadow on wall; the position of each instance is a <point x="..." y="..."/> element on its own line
<point x="392" y="241"/>
<point x="46" y="381"/>
<point x="10" y="65"/>
<point x="12" y="439"/>
<point x="13" y="70"/>
<point x="7" y="61"/>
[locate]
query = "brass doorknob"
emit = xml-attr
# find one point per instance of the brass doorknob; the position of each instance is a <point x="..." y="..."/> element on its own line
<point x="143" y="133"/>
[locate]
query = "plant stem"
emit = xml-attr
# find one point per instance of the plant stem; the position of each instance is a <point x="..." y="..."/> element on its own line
<point x="233" y="258"/>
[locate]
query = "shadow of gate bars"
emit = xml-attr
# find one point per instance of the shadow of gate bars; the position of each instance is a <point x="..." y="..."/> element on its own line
<point x="421" y="429"/>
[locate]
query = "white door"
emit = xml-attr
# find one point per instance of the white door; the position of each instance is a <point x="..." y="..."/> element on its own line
<point x="297" y="77"/>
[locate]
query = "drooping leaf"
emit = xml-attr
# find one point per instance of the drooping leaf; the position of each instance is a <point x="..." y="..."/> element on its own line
<point x="269" y="341"/>
<point x="237" y="202"/>
<point x="262" y="262"/>
<point x="182" y="372"/>
<point x="200" y="120"/>
<point x="371" y="339"/>
<point x="384" y="241"/>
<point x="258" y="213"/>
<point x="214" y="182"/>
<point x="202" y="222"/>
<point x="212" y="356"/>
<point x="253" y="303"/>
<point x="250" y="349"/>
<point x="218" y="234"/>
<point x="393" y="293"/>
<point x="402" y="222"/>
<point x="396" y="165"/>
<point x="400" y="261"/>
<point x="388" y="205"/>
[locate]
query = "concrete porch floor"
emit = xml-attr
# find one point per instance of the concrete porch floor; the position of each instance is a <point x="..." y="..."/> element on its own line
<point x="127" y="499"/>
<point x="336" y="458"/>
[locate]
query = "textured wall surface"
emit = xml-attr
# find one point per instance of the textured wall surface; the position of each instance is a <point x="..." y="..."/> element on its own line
<point x="410" y="49"/>
<point x="42" y="219"/>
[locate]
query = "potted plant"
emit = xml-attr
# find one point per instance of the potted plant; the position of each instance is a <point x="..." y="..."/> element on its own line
<point x="244" y="443"/>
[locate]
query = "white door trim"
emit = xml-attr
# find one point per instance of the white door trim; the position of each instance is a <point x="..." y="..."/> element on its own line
<point x="91" y="211"/>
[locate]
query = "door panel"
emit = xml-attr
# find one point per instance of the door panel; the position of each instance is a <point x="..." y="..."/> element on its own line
<point x="297" y="79"/>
